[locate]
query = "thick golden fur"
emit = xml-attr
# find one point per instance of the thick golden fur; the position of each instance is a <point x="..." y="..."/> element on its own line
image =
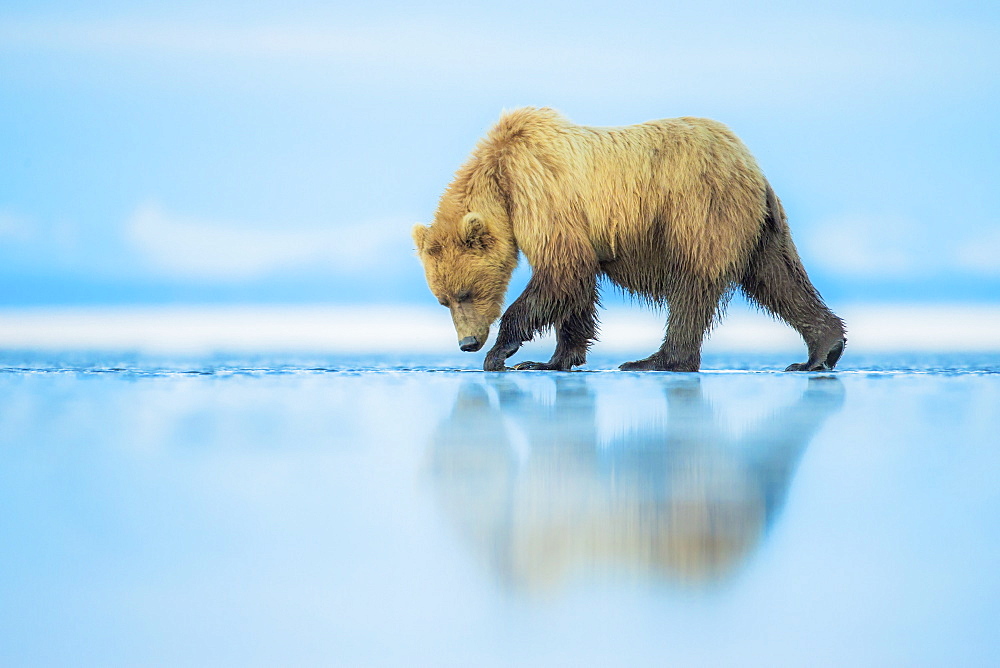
<point x="674" y="211"/>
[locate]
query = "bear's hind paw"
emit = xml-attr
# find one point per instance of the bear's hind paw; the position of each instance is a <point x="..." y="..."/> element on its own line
<point x="832" y="357"/>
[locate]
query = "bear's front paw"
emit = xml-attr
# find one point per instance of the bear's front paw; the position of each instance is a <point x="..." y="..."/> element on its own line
<point x="498" y="355"/>
<point x="808" y="366"/>
<point x="537" y="366"/>
<point x="494" y="362"/>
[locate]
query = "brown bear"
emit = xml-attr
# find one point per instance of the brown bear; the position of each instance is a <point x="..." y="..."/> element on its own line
<point x="675" y="212"/>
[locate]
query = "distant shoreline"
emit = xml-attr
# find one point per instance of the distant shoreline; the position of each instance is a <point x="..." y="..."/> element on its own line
<point x="872" y="328"/>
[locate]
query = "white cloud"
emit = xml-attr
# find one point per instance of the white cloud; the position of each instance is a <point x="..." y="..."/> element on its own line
<point x="891" y="246"/>
<point x="770" y="60"/>
<point x="196" y="248"/>
<point x="14" y="228"/>
<point x="871" y="245"/>
<point x="980" y="255"/>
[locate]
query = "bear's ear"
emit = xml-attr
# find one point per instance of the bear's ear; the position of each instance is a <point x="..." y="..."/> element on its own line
<point x="475" y="232"/>
<point x="419" y="234"/>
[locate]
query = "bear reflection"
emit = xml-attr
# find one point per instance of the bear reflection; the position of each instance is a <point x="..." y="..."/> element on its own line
<point x="531" y="490"/>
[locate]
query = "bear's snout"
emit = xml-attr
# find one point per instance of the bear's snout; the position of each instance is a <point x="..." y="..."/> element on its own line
<point x="470" y="344"/>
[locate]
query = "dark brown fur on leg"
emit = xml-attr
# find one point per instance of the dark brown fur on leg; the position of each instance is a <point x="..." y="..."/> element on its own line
<point x="541" y="306"/>
<point x="691" y="315"/>
<point x="573" y="339"/>
<point x="776" y="280"/>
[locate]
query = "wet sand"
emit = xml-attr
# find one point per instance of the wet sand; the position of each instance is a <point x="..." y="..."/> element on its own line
<point x="390" y="512"/>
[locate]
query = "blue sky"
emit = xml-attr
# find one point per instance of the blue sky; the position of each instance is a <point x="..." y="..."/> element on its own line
<point x="244" y="152"/>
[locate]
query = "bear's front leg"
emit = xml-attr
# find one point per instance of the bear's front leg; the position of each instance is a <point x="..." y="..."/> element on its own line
<point x="573" y="339"/>
<point x="541" y="305"/>
<point x="498" y="354"/>
<point x="510" y="335"/>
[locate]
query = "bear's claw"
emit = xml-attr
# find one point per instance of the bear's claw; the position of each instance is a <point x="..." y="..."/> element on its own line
<point x="656" y="363"/>
<point x="538" y="366"/>
<point x="806" y="366"/>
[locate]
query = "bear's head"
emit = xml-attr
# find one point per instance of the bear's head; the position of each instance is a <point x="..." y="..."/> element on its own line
<point x="468" y="266"/>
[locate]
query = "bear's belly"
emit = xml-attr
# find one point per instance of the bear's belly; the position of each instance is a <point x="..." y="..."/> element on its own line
<point x="653" y="279"/>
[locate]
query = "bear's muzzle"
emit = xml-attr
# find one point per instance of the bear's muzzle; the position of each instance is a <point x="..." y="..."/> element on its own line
<point x="470" y="344"/>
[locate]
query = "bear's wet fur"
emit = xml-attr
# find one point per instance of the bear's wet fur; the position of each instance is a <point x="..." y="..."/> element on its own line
<point x="675" y="212"/>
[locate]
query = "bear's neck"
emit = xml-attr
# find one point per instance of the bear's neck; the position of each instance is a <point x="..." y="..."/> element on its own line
<point x="477" y="188"/>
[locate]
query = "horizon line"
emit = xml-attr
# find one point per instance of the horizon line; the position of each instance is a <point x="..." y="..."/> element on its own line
<point x="408" y="328"/>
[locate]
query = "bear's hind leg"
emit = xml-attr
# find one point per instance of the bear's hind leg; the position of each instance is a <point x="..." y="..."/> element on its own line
<point x="692" y="313"/>
<point x="777" y="281"/>
<point x="573" y="339"/>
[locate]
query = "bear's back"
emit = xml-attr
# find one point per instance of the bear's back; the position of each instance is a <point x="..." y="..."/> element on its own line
<point x="684" y="187"/>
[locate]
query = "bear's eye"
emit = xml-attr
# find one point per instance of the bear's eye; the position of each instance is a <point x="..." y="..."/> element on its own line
<point x="463" y="296"/>
<point x="442" y="301"/>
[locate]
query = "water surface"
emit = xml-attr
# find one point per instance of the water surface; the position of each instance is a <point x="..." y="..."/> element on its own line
<point x="379" y="511"/>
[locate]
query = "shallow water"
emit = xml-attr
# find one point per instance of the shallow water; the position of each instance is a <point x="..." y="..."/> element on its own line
<point x="352" y="511"/>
